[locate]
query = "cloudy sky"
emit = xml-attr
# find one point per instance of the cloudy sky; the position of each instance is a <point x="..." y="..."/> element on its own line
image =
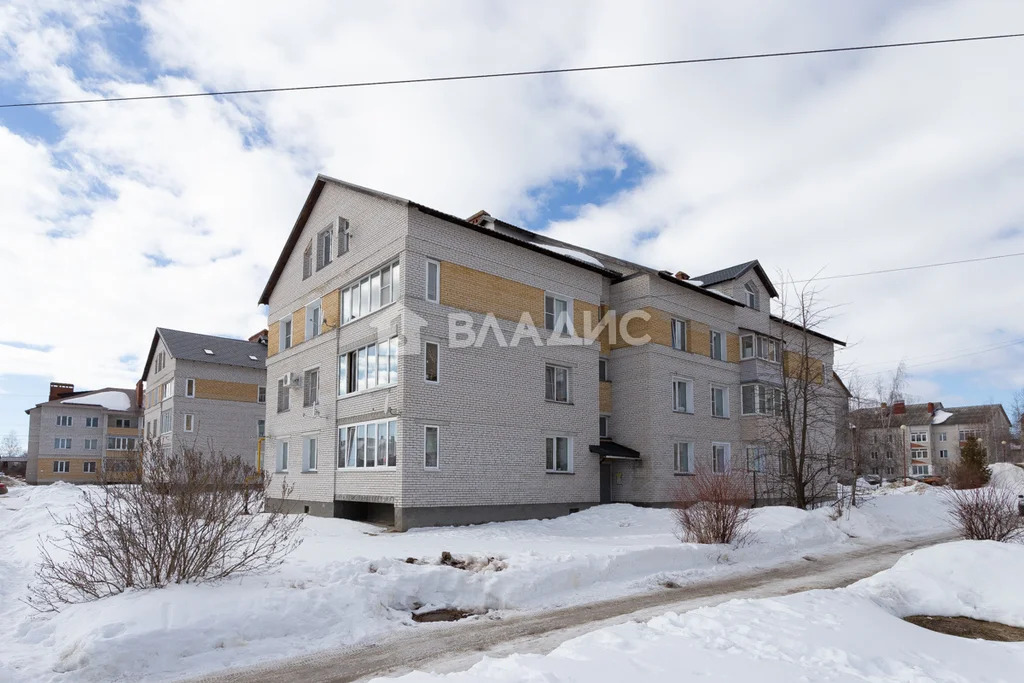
<point x="117" y="218"/>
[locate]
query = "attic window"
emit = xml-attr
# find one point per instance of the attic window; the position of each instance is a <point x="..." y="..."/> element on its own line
<point x="253" y="358"/>
<point x="208" y="352"/>
<point x="751" y="295"/>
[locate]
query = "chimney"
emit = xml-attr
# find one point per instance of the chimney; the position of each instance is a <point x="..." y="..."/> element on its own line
<point x="481" y="218"/>
<point x="138" y="394"/>
<point x="931" y="408"/>
<point x="899" y="407"/>
<point x="680" y="275"/>
<point x="58" y="389"/>
<point x="260" y="337"/>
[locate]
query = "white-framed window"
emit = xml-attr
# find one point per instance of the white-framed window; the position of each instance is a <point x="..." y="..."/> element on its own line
<point x="282" y="456"/>
<point x="678" y="334"/>
<point x="62" y="466"/>
<point x="286" y="333"/>
<point x="919" y="437"/>
<point x="166" y="423"/>
<point x="431" y="361"/>
<point x="760" y="346"/>
<point x="158" y="363"/>
<point x="558" y="314"/>
<point x="682" y="458"/>
<point x="966" y="434"/>
<point x="602" y="370"/>
<point x="721" y="457"/>
<point x="120" y="443"/>
<point x="310" y="387"/>
<point x="323" y="247"/>
<point x="314" y="318"/>
<point x="760" y="399"/>
<point x="433" y="286"/>
<point x="189" y="422"/>
<point x="92" y="422"/>
<point x="261" y="428"/>
<point x="757" y="459"/>
<point x="370" y="293"/>
<point x="261" y="394"/>
<point x="942" y="436"/>
<point x="431" y="447"/>
<point x="190" y="388"/>
<point x="943" y="453"/>
<point x="307" y="260"/>
<point x="343" y="236"/>
<point x="557" y="383"/>
<point x="62" y="444"/>
<point x="64" y="420"/>
<point x="717" y="345"/>
<point x="309" y="453"/>
<point x="283" y="397"/>
<point x="167" y="390"/>
<point x="367" y="367"/>
<point x="368" y="444"/>
<point x="604" y="429"/>
<point x="89" y="467"/>
<point x="92" y="444"/>
<point x="719" y="401"/>
<point x="784" y="462"/>
<point x="123" y="423"/>
<point x="750" y="295"/>
<point x="918" y="469"/>
<point x="682" y="395"/>
<point x="558" y="454"/>
<point x="747" y="346"/>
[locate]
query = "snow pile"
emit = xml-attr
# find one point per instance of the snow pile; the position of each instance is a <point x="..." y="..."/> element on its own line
<point x="351" y="582"/>
<point x="851" y="634"/>
<point x="111" y="400"/>
<point x="898" y="512"/>
<point x="1007" y="476"/>
<point x="940" y="416"/>
<point x="571" y="253"/>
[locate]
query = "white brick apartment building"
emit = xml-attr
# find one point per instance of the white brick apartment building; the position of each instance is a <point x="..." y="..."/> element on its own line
<point x="205" y="392"/>
<point x="378" y="409"/>
<point x="926" y="438"/>
<point x="82" y="436"/>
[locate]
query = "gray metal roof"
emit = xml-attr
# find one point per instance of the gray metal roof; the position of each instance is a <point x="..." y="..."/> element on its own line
<point x="226" y="351"/>
<point x="733" y="272"/>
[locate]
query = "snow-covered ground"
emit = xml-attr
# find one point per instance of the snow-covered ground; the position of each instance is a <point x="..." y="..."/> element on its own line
<point x="849" y="634"/>
<point x="350" y="582"/>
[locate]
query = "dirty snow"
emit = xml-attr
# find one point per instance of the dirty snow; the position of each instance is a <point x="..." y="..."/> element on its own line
<point x="349" y="582"/>
<point x="847" y="634"/>
<point x="111" y="400"/>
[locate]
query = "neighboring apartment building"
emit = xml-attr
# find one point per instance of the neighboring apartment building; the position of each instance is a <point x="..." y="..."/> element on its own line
<point x="387" y="401"/>
<point x="83" y="436"/>
<point x="925" y="438"/>
<point x="205" y="392"/>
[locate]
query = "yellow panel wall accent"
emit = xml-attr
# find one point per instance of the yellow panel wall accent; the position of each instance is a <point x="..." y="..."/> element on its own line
<point x="331" y="307"/>
<point x="226" y="391"/>
<point x="732" y="347"/>
<point x="480" y="292"/>
<point x="699" y="339"/>
<point x="273" y="338"/>
<point x="298" y="326"/>
<point x="605" y="397"/>
<point x="793" y="366"/>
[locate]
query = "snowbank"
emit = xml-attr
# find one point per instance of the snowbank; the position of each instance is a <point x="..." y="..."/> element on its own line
<point x="111" y="400"/>
<point x="840" y="635"/>
<point x="350" y="582"/>
<point x="901" y="512"/>
<point x="1008" y="476"/>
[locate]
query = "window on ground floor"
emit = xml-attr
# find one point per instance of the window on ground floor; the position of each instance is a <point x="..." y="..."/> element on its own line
<point x="89" y="467"/>
<point x="431" y="447"/>
<point x="61" y="466"/>
<point x="682" y="458"/>
<point x="720" y="457"/>
<point x="368" y="444"/>
<point x="558" y="454"/>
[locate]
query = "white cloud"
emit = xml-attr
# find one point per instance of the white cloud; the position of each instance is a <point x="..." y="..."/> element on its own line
<point x="844" y="163"/>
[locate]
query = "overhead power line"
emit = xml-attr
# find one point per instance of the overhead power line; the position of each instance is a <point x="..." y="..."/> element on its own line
<point x="896" y="270"/>
<point x="509" y="74"/>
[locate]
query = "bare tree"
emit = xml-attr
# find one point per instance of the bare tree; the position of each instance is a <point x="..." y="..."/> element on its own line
<point x="10" y="446"/>
<point x="1017" y="414"/>
<point x="186" y="521"/>
<point x="713" y="508"/>
<point x="988" y="513"/>
<point x="806" y="431"/>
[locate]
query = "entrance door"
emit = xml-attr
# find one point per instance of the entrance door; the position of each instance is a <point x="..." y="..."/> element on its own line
<point x="606" y="482"/>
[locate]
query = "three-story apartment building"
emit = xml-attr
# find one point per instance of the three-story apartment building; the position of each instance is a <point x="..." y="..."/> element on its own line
<point x="83" y="436"/>
<point x="424" y="369"/>
<point x="205" y="392"/>
<point x="926" y="438"/>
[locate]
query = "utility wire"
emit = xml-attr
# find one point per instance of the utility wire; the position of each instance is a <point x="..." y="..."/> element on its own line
<point x="896" y="270"/>
<point x="508" y="74"/>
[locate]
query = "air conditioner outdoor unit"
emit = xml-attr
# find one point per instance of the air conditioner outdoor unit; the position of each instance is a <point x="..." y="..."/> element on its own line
<point x="287" y="379"/>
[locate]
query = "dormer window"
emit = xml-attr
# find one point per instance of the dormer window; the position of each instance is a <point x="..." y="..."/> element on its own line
<point x="208" y="352"/>
<point x="752" y="298"/>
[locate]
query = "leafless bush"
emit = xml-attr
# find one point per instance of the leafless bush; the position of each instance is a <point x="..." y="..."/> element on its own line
<point x="187" y="521"/>
<point x="713" y="508"/>
<point x="988" y="513"/>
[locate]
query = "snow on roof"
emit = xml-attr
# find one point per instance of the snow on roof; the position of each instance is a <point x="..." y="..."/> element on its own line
<point x="940" y="417"/>
<point x="111" y="400"/>
<point x="571" y="253"/>
<point x="699" y="283"/>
